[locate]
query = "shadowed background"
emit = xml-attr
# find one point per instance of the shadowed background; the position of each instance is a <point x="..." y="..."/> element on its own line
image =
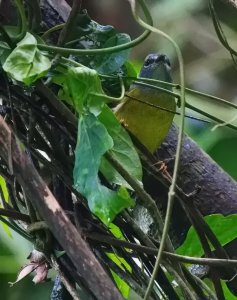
<point x="208" y="68"/>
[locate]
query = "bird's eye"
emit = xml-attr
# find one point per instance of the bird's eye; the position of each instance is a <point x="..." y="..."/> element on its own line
<point x="148" y="62"/>
<point x="163" y="59"/>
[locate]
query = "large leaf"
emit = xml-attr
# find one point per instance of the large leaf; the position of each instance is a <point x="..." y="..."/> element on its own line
<point x="26" y="63"/>
<point x="88" y="34"/>
<point x="123" y="150"/>
<point x="81" y="88"/>
<point x="110" y="63"/>
<point x="224" y="228"/>
<point x="93" y="142"/>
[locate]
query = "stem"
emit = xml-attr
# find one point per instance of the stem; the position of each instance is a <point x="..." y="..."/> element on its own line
<point x="16" y="229"/>
<point x="171" y="193"/>
<point x="145" y="198"/>
<point x="114" y="49"/>
<point x="71" y="289"/>
<point x="21" y="10"/>
<point x="52" y="29"/>
<point x="70" y="22"/>
<point x="14" y="215"/>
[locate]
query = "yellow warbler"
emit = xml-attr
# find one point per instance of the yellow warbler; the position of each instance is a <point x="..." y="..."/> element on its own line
<point x="149" y="124"/>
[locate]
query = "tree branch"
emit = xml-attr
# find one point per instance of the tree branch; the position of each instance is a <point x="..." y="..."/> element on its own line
<point x="50" y="211"/>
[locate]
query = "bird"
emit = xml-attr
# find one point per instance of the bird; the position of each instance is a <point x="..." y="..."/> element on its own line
<point x="147" y="112"/>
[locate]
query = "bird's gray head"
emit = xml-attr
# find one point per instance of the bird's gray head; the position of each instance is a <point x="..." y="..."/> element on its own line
<point x="156" y="66"/>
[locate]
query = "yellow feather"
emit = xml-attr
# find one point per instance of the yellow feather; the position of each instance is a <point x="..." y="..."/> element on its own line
<point x="148" y="123"/>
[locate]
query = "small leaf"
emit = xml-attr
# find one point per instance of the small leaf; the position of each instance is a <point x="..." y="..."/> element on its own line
<point x="25" y="270"/>
<point x="122" y="264"/>
<point x="129" y="72"/>
<point x="223" y="227"/>
<point x="123" y="150"/>
<point x="26" y="63"/>
<point x="93" y="142"/>
<point x="115" y="230"/>
<point x="12" y="31"/>
<point x="81" y="88"/>
<point x="5" y="194"/>
<point x="58" y="253"/>
<point x="3" y="186"/>
<point x="37" y="263"/>
<point x="5" y="50"/>
<point x="227" y="293"/>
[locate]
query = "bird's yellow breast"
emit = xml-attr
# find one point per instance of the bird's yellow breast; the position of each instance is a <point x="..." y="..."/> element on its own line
<point x="148" y="123"/>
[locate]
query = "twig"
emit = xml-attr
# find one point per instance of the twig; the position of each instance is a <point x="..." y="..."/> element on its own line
<point x="14" y="215"/>
<point x="58" y="105"/>
<point x="215" y="262"/>
<point x="70" y="22"/>
<point x="72" y="291"/>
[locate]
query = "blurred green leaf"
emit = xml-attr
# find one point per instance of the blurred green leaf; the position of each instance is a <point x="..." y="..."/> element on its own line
<point x="123" y="150"/>
<point x="88" y="34"/>
<point x="26" y="63"/>
<point x="12" y="31"/>
<point x="227" y="293"/>
<point x="112" y="86"/>
<point x="4" y="52"/>
<point x="110" y="63"/>
<point x="214" y="108"/>
<point x="81" y="88"/>
<point x="223" y="227"/>
<point x="130" y="72"/>
<point x="93" y="142"/>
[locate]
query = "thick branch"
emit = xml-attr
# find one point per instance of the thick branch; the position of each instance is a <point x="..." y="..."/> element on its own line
<point x="218" y="193"/>
<point x="77" y="249"/>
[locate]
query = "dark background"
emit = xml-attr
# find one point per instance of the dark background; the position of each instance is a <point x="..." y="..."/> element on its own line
<point x="208" y="68"/>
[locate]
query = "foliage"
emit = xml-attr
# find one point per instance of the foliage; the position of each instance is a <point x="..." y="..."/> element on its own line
<point x="219" y="224"/>
<point x="26" y="63"/>
<point x="93" y="142"/>
<point x="73" y="162"/>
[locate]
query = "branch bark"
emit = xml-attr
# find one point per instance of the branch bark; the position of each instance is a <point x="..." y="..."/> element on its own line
<point x="218" y="193"/>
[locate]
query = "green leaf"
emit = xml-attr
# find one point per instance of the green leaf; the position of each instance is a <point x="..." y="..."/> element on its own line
<point x="58" y="254"/>
<point x="123" y="150"/>
<point x="12" y="31"/>
<point x="88" y="34"/>
<point x="81" y="88"/>
<point x="110" y="63"/>
<point x="122" y="264"/>
<point x="5" y="50"/>
<point x="5" y="194"/>
<point x="93" y="142"/>
<point x="129" y="72"/>
<point x="4" y="189"/>
<point x="227" y="293"/>
<point x="115" y="230"/>
<point x="26" y="63"/>
<point x="223" y="227"/>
